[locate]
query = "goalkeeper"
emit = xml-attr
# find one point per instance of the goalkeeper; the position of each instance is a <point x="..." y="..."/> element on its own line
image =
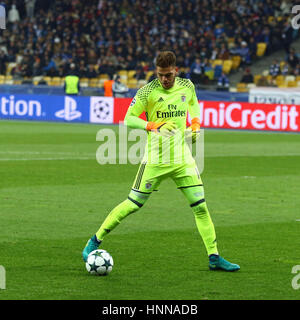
<point x="166" y="101"/>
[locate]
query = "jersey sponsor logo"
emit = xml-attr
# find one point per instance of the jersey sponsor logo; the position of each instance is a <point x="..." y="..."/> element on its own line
<point x="170" y="114"/>
<point x="160" y="99"/>
<point x="69" y="112"/>
<point x="183" y="98"/>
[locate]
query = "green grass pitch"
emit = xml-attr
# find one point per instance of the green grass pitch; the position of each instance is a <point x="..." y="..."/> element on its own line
<point x="54" y="196"/>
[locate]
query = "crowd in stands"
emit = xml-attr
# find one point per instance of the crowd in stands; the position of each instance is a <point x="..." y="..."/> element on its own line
<point x="101" y="37"/>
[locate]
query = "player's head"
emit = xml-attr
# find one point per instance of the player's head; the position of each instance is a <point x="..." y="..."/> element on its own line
<point x="166" y="68"/>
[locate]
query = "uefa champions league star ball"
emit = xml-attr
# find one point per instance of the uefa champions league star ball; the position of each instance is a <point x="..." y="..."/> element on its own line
<point x="99" y="262"/>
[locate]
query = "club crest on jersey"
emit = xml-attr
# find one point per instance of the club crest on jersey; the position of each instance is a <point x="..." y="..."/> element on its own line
<point x="183" y="98"/>
<point x="148" y="185"/>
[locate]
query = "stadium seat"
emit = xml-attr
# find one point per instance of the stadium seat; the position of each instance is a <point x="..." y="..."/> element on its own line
<point x="292" y="84"/>
<point x="251" y="85"/>
<point x="236" y="61"/>
<point x="227" y="65"/>
<point x="149" y="74"/>
<point x="256" y="78"/>
<point x="56" y="81"/>
<point x="47" y="79"/>
<point x="217" y="62"/>
<point x="123" y="73"/>
<point x="131" y="74"/>
<point x="84" y="82"/>
<point x="96" y="83"/>
<point x="132" y="83"/>
<point x="280" y="80"/>
<point x="104" y="76"/>
<point x="290" y="78"/>
<point x="261" y="49"/>
<point x="242" y="87"/>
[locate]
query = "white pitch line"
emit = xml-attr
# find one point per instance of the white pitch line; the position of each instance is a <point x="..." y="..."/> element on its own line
<point x="42" y="152"/>
<point x="47" y="159"/>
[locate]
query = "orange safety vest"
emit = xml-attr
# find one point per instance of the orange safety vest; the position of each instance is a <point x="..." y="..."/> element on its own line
<point x="108" y="88"/>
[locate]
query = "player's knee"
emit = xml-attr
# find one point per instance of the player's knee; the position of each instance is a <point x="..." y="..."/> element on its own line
<point x="199" y="207"/>
<point x="137" y="201"/>
<point x="133" y="206"/>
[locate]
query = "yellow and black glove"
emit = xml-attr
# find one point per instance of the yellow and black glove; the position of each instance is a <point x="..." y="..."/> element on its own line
<point x="166" y="129"/>
<point x="193" y="131"/>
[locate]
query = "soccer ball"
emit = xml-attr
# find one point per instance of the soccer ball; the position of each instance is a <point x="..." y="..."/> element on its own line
<point x="99" y="262"/>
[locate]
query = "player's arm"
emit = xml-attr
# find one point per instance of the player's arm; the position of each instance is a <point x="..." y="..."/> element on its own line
<point x="194" y="112"/>
<point x="135" y="109"/>
<point x="132" y="120"/>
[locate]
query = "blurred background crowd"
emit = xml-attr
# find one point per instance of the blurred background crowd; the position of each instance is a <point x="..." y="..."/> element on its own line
<point x="46" y="37"/>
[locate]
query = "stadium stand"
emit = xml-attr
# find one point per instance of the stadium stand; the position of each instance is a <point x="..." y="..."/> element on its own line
<point x="124" y="37"/>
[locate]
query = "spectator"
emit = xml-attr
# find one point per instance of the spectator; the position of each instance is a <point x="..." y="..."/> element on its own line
<point x="140" y="73"/>
<point x="292" y="59"/>
<point x="196" y="71"/>
<point x="13" y="14"/>
<point x="263" y="81"/>
<point x="119" y="89"/>
<point x="107" y="85"/>
<point x="3" y="60"/>
<point x="72" y="84"/>
<point x="248" y="76"/>
<point x="296" y="71"/>
<point x="91" y="72"/>
<point x="274" y="68"/>
<point x="287" y="36"/>
<point x="285" y="69"/>
<point x="30" y="8"/>
<point x="109" y="35"/>
<point x="223" y="81"/>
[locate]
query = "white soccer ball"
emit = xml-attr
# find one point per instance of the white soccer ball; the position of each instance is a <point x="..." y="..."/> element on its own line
<point x="99" y="262"/>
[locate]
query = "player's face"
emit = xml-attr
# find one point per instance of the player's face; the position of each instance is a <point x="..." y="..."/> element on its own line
<point x="166" y="76"/>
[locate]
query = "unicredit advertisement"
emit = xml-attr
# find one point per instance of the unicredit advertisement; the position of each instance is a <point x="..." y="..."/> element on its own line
<point x="236" y="115"/>
<point x="107" y="110"/>
<point x="253" y="116"/>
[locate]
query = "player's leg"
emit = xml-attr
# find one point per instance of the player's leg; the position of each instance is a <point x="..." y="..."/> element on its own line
<point x="188" y="180"/>
<point x="142" y="188"/>
<point x="205" y="226"/>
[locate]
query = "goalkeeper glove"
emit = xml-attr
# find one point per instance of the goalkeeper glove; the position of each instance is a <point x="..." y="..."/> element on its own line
<point x="193" y="131"/>
<point x="166" y="129"/>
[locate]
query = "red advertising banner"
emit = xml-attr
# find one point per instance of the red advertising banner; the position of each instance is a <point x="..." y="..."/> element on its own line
<point x="235" y="115"/>
<point x="255" y="116"/>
